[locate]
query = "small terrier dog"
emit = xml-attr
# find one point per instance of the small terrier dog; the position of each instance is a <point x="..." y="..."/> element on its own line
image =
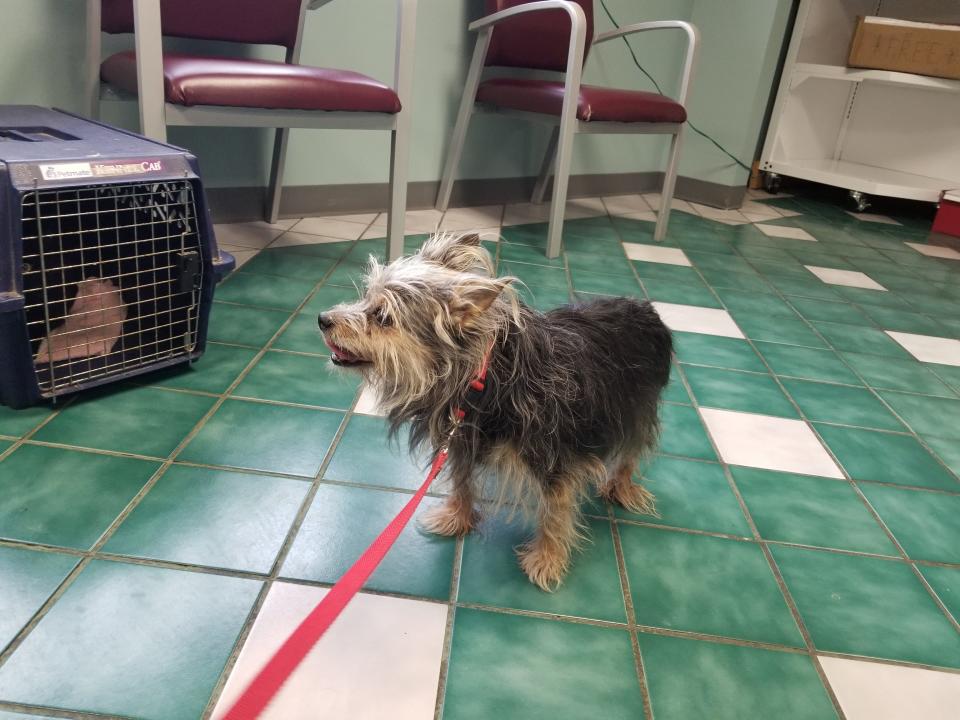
<point x="571" y="397"/>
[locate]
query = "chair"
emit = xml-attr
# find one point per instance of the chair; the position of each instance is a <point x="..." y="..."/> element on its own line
<point x="183" y="89"/>
<point x="556" y="35"/>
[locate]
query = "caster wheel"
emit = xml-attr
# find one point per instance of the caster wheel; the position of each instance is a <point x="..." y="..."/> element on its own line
<point x="859" y="201"/>
<point x="771" y="182"/>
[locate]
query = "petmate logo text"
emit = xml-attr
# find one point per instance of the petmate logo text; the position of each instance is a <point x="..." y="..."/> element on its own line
<point x="127" y="168"/>
<point x="66" y="171"/>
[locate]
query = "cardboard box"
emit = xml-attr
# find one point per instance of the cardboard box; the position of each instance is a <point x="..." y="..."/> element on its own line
<point x="904" y="46"/>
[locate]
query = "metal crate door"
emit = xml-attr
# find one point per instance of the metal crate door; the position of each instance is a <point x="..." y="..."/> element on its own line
<point x="112" y="279"/>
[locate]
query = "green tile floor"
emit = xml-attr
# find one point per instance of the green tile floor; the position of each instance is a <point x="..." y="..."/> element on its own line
<point x="159" y="538"/>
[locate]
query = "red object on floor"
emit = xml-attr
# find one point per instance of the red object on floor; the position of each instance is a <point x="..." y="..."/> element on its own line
<point x="947" y="220"/>
<point x="274" y="674"/>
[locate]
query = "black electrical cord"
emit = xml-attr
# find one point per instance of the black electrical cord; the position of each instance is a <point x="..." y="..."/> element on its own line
<point x="650" y="77"/>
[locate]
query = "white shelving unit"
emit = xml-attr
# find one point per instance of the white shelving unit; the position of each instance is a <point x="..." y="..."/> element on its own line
<point x="872" y="132"/>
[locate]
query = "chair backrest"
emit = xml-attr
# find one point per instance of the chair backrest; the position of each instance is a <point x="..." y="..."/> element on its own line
<point x="537" y="40"/>
<point x="258" y="22"/>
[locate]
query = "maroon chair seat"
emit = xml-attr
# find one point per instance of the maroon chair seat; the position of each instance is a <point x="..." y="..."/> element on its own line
<point x="193" y="80"/>
<point x="594" y="104"/>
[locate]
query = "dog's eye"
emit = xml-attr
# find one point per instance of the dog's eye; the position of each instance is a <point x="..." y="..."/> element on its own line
<point x="382" y="319"/>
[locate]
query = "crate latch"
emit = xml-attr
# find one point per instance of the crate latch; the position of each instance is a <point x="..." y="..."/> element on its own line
<point x="189" y="272"/>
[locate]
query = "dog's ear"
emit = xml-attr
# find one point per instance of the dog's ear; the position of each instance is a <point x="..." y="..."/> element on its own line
<point x="474" y="297"/>
<point x="462" y="252"/>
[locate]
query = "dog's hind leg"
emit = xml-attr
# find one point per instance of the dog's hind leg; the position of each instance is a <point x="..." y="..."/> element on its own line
<point x="457" y="515"/>
<point x="620" y="488"/>
<point x="546" y="558"/>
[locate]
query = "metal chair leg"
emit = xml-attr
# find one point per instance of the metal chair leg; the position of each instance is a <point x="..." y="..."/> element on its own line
<point x="463" y="119"/>
<point x="558" y="203"/>
<point x="669" y="183"/>
<point x="149" y="49"/>
<point x="276" y="174"/>
<point x="93" y="51"/>
<point x="546" y="168"/>
<point x="399" y="167"/>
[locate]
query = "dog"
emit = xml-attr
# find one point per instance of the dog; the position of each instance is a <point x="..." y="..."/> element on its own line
<point x="570" y="401"/>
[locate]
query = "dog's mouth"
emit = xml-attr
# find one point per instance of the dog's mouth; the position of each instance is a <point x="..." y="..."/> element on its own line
<point x="342" y="357"/>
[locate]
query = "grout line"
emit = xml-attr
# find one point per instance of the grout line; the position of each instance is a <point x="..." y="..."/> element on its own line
<point x="543" y="615"/>
<point x="448" y="629"/>
<point x="45" y="712"/>
<point x="630" y="613"/>
<point x="822" y="382"/>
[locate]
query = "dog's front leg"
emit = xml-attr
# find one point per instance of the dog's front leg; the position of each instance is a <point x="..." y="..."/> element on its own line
<point x="546" y="558"/>
<point x="457" y="515"/>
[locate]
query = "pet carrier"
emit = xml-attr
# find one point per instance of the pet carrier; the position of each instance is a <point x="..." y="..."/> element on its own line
<point x="107" y="255"/>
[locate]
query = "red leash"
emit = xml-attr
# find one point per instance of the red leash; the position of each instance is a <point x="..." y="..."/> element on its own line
<point x="274" y="674"/>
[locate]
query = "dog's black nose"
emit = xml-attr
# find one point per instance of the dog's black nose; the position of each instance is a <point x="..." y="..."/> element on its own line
<point x="324" y="321"/>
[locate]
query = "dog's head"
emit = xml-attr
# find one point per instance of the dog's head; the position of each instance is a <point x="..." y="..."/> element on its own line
<point x="421" y="317"/>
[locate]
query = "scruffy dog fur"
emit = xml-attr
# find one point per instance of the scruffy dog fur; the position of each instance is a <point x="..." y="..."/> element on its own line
<point x="571" y="397"/>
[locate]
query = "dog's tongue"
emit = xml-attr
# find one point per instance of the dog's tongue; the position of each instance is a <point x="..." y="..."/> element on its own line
<point x="341" y="354"/>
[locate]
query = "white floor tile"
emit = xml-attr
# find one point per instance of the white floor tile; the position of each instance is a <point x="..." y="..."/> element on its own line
<point x="848" y="278"/>
<point x="523" y="213"/>
<point x="491" y="234"/>
<point x="772" y="443"/>
<point x="254" y="235"/>
<point x="877" y="691"/>
<point x="646" y="216"/>
<point x="653" y="200"/>
<point x="380" y="231"/>
<point x="293" y="237"/>
<point x="871" y="217"/>
<point x="362" y="218"/>
<point x="472" y="218"/>
<point x="586" y="207"/>
<point x="331" y="227"/>
<point x="656" y="253"/>
<point x="789" y="213"/>
<point x="377" y="231"/>
<point x="625" y="204"/>
<point x="929" y="348"/>
<point x="758" y="209"/>
<point x="742" y="220"/>
<point x="693" y="318"/>
<point x="936" y="251"/>
<point x="728" y="217"/>
<point x="380" y="659"/>
<point x="419" y="221"/>
<point x="782" y="231"/>
<point x="368" y="403"/>
<point x="759" y="217"/>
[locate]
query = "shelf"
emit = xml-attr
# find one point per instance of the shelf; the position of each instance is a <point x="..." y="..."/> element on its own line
<point x="865" y="178"/>
<point x="803" y="71"/>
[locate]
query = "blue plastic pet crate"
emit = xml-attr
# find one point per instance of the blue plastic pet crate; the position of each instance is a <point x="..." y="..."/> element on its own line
<point x="81" y="201"/>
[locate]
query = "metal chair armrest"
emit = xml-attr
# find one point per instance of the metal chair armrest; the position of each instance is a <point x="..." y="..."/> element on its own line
<point x="693" y="40"/>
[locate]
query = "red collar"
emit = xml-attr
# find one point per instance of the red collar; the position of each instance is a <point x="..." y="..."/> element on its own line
<point x="477" y="385"/>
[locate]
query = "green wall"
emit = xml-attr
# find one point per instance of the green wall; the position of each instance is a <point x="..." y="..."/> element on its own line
<point x="42" y="54"/>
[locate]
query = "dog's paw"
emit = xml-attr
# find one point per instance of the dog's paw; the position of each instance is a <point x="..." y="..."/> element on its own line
<point x="451" y="519"/>
<point x="632" y="497"/>
<point x="544" y="566"/>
